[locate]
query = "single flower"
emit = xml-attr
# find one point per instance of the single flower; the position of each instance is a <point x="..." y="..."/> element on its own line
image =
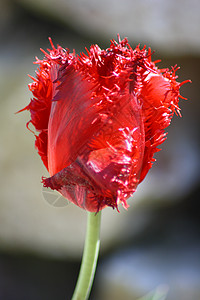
<point x="100" y="118"/>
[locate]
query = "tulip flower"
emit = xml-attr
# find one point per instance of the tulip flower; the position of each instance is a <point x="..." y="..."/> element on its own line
<point x="99" y="119"/>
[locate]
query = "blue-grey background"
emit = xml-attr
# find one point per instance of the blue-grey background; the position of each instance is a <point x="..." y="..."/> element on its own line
<point x="153" y="244"/>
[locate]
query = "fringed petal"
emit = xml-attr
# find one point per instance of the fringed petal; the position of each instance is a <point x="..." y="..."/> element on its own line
<point x="100" y="118"/>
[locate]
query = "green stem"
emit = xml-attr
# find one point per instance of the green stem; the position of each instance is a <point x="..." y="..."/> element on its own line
<point x="89" y="259"/>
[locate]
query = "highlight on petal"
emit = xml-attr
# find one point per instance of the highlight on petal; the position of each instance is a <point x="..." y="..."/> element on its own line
<point x="99" y="118"/>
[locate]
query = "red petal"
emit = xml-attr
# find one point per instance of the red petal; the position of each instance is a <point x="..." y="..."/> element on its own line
<point x="43" y="89"/>
<point x="101" y="145"/>
<point x="159" y="99"/>
<point x="72" y="120"/>
<point x="41" y="145"/>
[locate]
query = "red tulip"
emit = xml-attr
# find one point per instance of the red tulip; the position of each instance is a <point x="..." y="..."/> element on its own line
<point x="100" y="118"/>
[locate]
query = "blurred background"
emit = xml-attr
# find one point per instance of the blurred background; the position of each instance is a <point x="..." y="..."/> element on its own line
<point x="153" y="245"/>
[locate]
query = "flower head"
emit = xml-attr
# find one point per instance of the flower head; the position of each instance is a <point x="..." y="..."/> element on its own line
<point x="100" y="118"/>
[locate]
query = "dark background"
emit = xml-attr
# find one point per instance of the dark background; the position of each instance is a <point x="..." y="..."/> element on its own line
<point x="155" y="243"/>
